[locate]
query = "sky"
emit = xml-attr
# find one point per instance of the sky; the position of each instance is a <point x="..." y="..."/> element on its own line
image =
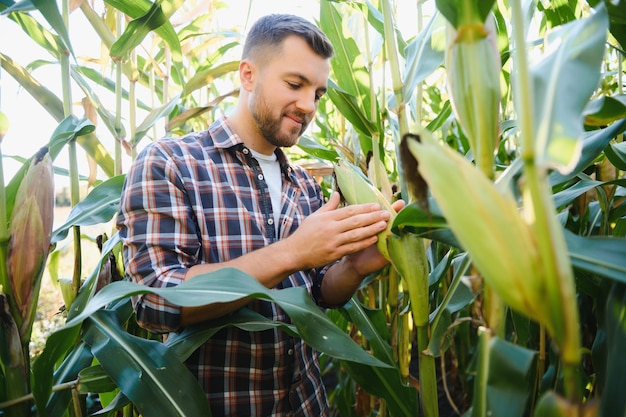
<point x="31" y="126"/>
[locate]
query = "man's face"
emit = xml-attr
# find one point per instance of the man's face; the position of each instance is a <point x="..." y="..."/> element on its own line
<point x="287" y="92"/>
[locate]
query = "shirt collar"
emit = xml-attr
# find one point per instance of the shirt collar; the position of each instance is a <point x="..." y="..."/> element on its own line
<point x="224" y="137"/>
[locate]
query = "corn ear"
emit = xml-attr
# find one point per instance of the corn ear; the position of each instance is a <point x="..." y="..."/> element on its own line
<point x="30" y="232"/>
<point x="357" y="189"/>
<point x="473" y="71"/>
<point x="488" y="225"/>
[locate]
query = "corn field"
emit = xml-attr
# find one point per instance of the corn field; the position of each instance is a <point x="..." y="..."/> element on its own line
<point x="499" y="123"/>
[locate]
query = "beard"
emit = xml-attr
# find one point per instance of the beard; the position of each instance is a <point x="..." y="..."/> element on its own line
<point x="270" y="126"/>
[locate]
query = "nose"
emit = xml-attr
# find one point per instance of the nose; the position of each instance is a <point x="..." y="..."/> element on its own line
<point x="307" y="102"/>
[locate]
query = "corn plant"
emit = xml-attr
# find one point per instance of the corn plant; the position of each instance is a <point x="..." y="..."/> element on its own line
<point x="503" y="135"/>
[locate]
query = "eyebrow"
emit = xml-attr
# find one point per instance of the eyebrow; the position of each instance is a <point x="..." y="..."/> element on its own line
<point x="305" y="80"/>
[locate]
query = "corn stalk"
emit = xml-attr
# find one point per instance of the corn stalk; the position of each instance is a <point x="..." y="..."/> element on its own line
<point x="540" y="212"/>
<point x="406" y="250"/>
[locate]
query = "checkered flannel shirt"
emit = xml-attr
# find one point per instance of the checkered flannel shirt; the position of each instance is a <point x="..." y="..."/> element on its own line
<point x="202" y="198"/>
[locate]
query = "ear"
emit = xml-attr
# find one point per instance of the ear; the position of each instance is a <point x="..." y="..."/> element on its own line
<point x="247" y="74"/>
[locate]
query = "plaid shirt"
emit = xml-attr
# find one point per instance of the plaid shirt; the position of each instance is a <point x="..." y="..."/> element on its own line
<point x="202" y="198"/>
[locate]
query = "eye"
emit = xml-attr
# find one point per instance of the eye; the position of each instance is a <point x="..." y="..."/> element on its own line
<point x="293" y="86"/>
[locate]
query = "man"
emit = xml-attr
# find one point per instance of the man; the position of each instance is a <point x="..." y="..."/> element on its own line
<point x="228" y="197"/>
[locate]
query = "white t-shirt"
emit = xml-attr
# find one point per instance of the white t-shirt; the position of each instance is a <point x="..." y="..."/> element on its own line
<point x="271" y="171"/>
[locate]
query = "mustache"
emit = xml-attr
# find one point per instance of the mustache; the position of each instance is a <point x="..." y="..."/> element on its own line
<point x="303" y="117"/>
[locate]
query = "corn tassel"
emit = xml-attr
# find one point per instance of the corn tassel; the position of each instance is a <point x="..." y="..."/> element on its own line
<point x="356" y="189"/>
<point x="473" y="71"/>
<point x="29" y="243"/>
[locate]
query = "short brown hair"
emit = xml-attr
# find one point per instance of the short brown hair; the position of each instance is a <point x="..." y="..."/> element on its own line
<point x="271" y="30"/>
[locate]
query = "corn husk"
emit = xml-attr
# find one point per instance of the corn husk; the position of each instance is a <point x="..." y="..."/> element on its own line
<point x="357" y="189"/>
<point x="488" y="225"/>
<point x="30" y="233"/>
<point x="473" y="71"/>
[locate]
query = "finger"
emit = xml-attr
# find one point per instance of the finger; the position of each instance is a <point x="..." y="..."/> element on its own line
<point x="363" y="232"/>
<point x="354" y="210"/>
<point x="332" y="203"/>
<point x="398" y="205"/>
<point x="363" y="220"/>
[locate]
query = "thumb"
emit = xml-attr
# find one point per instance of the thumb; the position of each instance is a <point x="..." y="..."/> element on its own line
<point x="332" y="203"/>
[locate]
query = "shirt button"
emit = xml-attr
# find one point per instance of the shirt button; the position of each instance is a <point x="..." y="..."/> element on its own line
<point x="260" y="177"/>
<point x="290" y="352"/>
<point x="270" y="221"/>
<point x="246" y="151"/>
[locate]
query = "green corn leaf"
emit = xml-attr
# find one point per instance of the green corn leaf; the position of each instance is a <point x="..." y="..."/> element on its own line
<point x="65" y="338"/>
<point x="35" y="31"/>
<point x="231" y="284"/>
<point x="372" y="333"/>
<point x="351" y="110"/>
<point x="148" y="16"/>
<point x="184" y="343"/>
<point x="44" y="96"/>
<point x="141" y="368"/>
<point x="575" y="53"/>
<point x="70" y="128"/>
<point x="99" y="206"/>
<point x="613" y="403"/>
<point x="206" y="77"/>
<point x="314" y="148"/>
<point x="605" y="110"/>
<point x="603" y="256"/>
<point x="617" y="19"/>
<point x="105" y="82"/>
<point x="50" y="12"/>
<point x="552" y="404"/>
<point x="376" y="19"/>
<point x="617" y="155"/>
<point x="593" y="143"/>
<point x="94" y="379"/>
<point x="458" y="296"/>
<point x="107" y="117"/>
<point x="461" y="12"/>
<point x="423" y="55"/>
<point x="386" y="383"/>
<point x="78" y="358"/>
<point x="347" y="64"/>
<point x="510" y="378"/>
<point x="568" y="195"/>
<point x="153" y="117"/>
